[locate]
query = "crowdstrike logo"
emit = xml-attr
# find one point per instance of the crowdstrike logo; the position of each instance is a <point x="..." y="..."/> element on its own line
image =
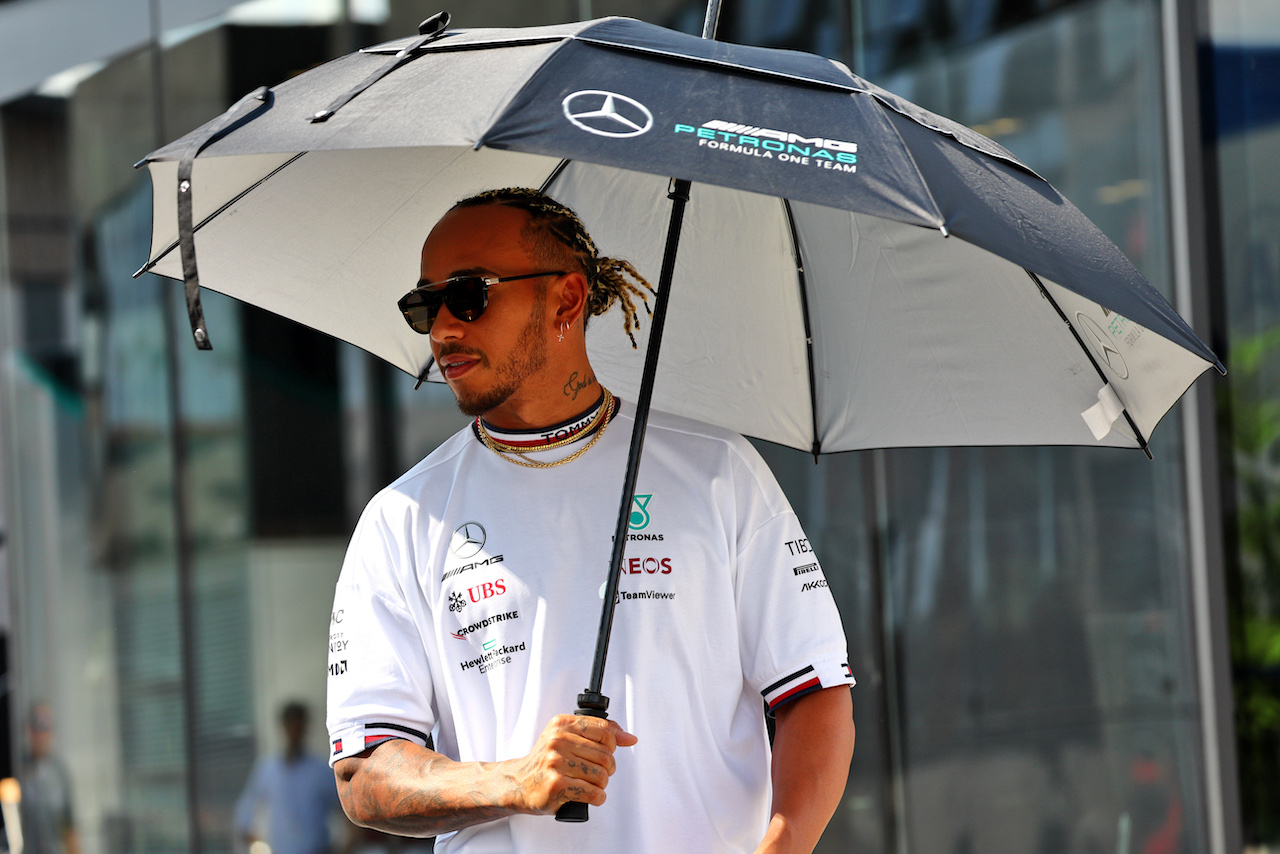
<point x="468" y="539"/>
<point x="461" y="634"/>
<point x="607" y="113"/>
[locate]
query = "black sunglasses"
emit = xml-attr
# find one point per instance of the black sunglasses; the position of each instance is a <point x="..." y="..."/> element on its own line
<point x="466" y="296"/>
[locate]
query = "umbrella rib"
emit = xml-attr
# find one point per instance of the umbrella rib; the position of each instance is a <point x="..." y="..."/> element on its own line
<point x="1044" y="292"/>
<point x="512" y="93"/>
<point x="422" y="377"/>
<point x="246" y="191"/>
<point x="555" y="173"/>
<point x="911" y="158"/>
<point x="808" y="329"/>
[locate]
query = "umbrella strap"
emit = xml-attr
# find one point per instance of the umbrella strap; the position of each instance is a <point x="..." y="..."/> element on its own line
<point x="246" y="109"/>
<point x="431" y="29"/>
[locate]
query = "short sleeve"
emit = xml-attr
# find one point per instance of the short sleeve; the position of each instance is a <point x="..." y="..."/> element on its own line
<point x="379" y="682"/>
<point x="790" y="632"/>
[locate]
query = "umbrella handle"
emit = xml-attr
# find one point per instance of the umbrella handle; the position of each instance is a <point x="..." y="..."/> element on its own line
<point x="591" y="703"/>
<point x="573" y="812"/>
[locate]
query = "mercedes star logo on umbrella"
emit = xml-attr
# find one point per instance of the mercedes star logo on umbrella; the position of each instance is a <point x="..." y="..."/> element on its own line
<point x="607" y="113"/>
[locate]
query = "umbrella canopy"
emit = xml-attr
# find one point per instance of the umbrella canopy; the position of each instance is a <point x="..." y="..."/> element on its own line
<point x="855" y="272"/>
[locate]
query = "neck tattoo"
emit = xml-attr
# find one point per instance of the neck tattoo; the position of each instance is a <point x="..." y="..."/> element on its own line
<point x="575" y="385"/>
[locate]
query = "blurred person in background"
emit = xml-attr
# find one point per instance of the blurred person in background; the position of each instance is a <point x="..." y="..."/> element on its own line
<point x="48" y="825"/>
<point x="297" y="792"/>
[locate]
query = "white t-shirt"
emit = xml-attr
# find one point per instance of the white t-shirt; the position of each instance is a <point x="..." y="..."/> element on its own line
<point x="470" y="598"/>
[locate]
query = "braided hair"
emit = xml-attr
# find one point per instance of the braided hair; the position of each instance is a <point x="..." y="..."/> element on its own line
<point x="609" y="280"/>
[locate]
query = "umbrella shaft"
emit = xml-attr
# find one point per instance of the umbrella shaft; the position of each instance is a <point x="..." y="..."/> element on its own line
<point x="712" y="20"/>
<point x="679" y="196"/>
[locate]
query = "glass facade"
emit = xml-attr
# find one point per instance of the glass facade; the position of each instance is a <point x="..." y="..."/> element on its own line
<point x="1244" y="134"/>
<point x="1022" y="621"/>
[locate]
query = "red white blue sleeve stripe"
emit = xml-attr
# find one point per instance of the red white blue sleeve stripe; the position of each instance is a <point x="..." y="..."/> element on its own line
<point x="806" y="681"/>
<point x="358" y="738"/>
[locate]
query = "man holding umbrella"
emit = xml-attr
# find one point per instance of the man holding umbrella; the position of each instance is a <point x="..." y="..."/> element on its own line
<point x="466" y="604"/>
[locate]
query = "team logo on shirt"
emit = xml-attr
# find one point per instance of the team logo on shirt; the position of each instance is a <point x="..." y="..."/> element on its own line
<point x="495" y="655"/>
<point x="487" y="590"/>
<point x="468" y="539"/>
<point x="811" y="583"/>
<point x="489" y="561"/>
<point x="478" y="593"/>
<point x="461" y="634"/>
<point x="643" y="595"/>
<point x="640" y="517"/>
<point x="798" y="547"/>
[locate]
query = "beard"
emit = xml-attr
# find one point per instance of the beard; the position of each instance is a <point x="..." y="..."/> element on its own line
<point x="528" y="356"/>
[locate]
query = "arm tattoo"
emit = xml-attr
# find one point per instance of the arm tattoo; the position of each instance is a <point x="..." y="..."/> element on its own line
<point x="407" y="790"/>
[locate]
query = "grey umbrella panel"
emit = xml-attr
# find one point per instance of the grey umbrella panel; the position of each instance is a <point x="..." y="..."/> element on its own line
<point x="918" y="339"/>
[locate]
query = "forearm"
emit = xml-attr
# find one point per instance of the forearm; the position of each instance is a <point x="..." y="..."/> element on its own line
<point x="812" y="748"/>
<point x="408" y="790"/>
<point x="401" y="788"/>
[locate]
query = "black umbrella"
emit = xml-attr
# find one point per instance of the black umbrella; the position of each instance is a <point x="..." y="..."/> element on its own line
<point x="879" y="275"/>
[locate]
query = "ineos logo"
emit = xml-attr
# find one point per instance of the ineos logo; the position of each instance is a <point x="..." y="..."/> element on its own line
<point x="468" y="539"/>
<point x="607" y="113"/>
<point x="1102" y="343"/>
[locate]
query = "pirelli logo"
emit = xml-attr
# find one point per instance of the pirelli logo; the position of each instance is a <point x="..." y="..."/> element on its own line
<point x="801" y="570"/>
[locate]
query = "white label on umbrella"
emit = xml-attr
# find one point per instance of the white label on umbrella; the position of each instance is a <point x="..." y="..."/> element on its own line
<point x="1104" y="413"/>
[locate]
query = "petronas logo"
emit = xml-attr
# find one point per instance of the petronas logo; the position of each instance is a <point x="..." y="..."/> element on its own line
<point x="640" y="518"/>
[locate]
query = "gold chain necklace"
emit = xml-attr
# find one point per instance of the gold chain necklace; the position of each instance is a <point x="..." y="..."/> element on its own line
<point x="514" y="454"/>
<point x="600" y="414"/>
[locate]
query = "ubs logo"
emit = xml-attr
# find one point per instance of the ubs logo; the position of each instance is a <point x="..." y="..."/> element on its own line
<point x="468" y="539"/>
<point x="1103" y="344"/>
<point x="607" y="113"/>
<point x="487" y="590"/>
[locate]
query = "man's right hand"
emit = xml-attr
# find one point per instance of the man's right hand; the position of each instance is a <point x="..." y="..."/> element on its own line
<point x="572" y="761"/>
<point x="403" y="788"/>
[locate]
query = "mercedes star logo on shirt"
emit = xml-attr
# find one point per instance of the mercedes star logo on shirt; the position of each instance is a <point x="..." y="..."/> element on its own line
<point x="467" y="539"/>
<point x="607" y="113"/>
